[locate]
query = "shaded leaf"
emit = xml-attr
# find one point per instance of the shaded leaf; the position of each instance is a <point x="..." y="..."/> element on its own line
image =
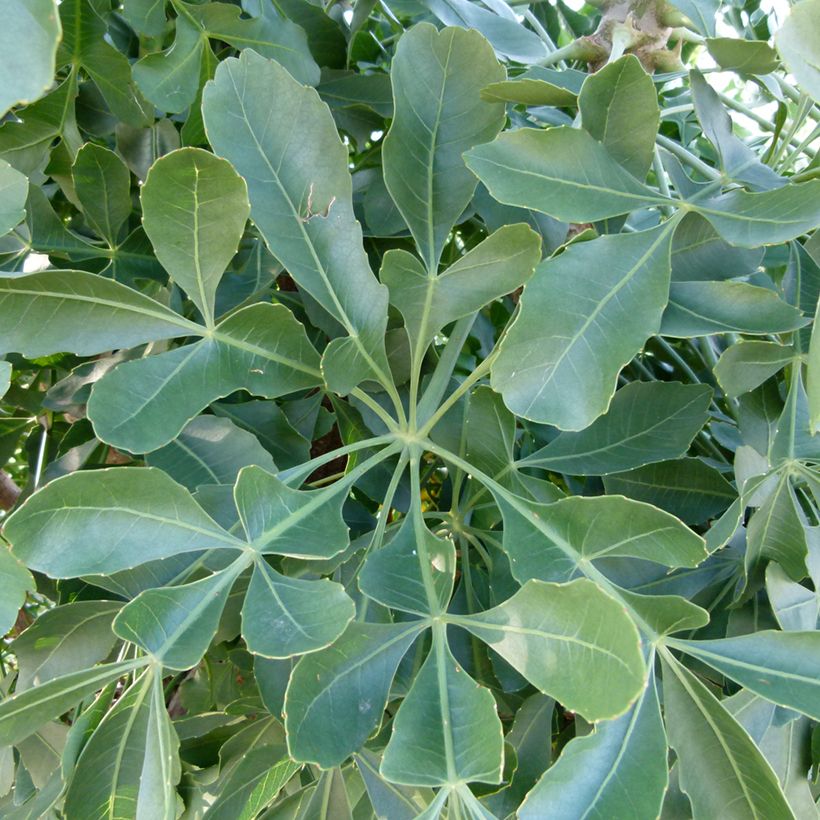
<point x="336" y="696"/>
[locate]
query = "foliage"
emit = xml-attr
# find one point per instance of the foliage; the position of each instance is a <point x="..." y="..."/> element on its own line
<point x="415" y="409"/>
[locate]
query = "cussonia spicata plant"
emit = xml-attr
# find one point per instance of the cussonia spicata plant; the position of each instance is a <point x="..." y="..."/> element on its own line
<point x="409" y="409"/>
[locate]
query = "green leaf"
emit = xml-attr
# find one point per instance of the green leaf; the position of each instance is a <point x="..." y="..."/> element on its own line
<point x="108" y="520"/>
<point x="81" y="313"/>
<point x="617" y="771"/>
<point x="301" y="201"/>
<point x="699" y="254"/>
<point x="210" y="450"/>
<point x="194" y="209"/>
<point x="280" y="520"/>
<point x="604" y="298"/>
<point x="686" y="487"/>
<point x="495" y="267"/>
<point x="15" y="581"/>
<point x="66" y="639"/>
<point x="336" y="696"/>
<point x="283" y="616"/>
<point x="21" y="715"/>
<point x="743" y="56"/>
<point x="538" y="86"/>
<point x="5" y="377"/>
<point x="619" y="107"/>
<point x="252" y="786"/>
<point x="747" y="364"/>
<point x="437" y="78"/>
<point x="170" y="79"/>
<point x="447" y="730"/>
<point x="702" y="308"/>
<point x="508" y="38"/>
<point x="143" y="404"/>
<point x="813" y="375"/>
<point x="86" y="42"/>
<point x="145" y="16"/>
<point x="532" y="724"/>
<point x="766" y="218"/>
<point x="550" y="541"/>
<point x="27" y="138"/>
<point x="721" y="769"/>
<point x="776" y="532"/>
<point x="779" y="666"/>
<point x="572" y="641"/>
<point x="793" y="438"/>
<point x="175" y="625"/>
<point x="28" y="45"/>
<point x="736" y="159"/>
<point x="102" y="182"/>
<point x="563" y="172"/>
<point x="267" y="33"/>
<point x="795" y="607"/>
<point x="389" y="800"/>
<point x="665" y="614"/>
<point x="130" y="766"/>
<point x="702" y="14"/>
<point x="798" y="41"/>
<point x="13" y="195"/>
<point x="646" y="422"/>
<point x="396" y="575"/>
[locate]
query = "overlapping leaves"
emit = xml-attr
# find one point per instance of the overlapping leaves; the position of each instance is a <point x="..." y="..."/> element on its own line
<point x="384" y="523"/>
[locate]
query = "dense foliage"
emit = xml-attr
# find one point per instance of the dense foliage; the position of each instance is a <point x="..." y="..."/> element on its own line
<point x="409" y="409"/>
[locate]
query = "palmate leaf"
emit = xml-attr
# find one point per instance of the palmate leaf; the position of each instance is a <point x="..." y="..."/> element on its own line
<point x="96" y="168"/>
<point x="686" y="487"/>
<point x="549" y="541"/>
<point x="369" y="553"/>
<point x="497" y="266"/>
<point x="13" y="193"/>
<point x="175" y="625"/>
<point x="396" y="577"/>
<point x="143" y="404"/>
<point x="563" y="172"/>
<point x="63" y="640"/>
<point x="210" y="450"/>
<point x="703" y="308"/>
<point x="283" y="616"/>
<point x="16" y="582"/>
